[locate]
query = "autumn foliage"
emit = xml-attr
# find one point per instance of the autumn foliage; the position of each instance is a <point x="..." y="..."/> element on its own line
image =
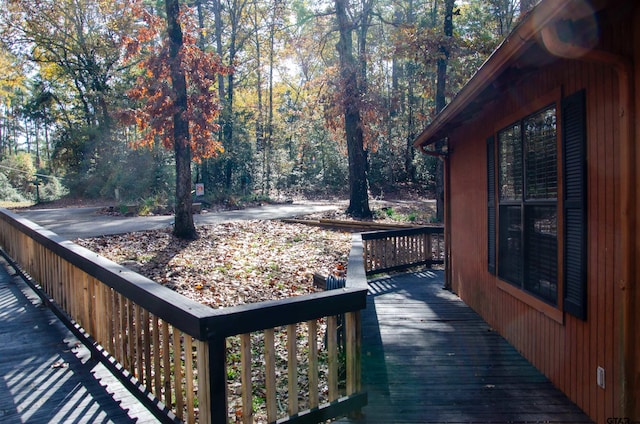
<point x="153" y="94"/>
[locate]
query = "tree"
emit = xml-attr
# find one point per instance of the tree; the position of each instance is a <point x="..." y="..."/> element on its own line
<point x="351" y="97"/>
<point x="176" y="93"/>
<point x="292" y="95"/>
<point x="441" y="86"/>
<point x="183" y="226"/>
<point x="505" y="14"/>
<point x="12" y="83"/>
<point x="74" y="48"/>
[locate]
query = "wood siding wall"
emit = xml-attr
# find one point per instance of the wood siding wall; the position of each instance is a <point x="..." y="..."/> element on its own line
<point x="568" y="352"/>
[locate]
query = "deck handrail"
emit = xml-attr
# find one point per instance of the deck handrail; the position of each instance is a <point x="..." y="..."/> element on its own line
<point x="393" y="250"/>
<point x="167" y="347"/>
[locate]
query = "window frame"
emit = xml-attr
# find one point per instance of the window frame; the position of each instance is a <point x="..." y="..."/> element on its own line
<point x="572" y="205"/>
<point x="517" y="208"/>
<point x="555" y="311"/>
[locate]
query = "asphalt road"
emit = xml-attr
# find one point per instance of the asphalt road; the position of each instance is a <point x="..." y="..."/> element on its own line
<point x="73" y="223"/>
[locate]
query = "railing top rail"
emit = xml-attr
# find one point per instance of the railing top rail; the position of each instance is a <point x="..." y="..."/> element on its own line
<point x="356" y="275"/>
<point x="161" y="301"/>
<point x="274" y="313"/>
<point x="373" y="235"/>
<point x="191" y="317"/>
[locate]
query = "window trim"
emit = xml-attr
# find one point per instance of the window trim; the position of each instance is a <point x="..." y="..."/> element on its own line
<point x="554" y="312"/>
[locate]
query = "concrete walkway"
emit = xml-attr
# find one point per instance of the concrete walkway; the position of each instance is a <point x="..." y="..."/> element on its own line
<point x="74" y="223"/>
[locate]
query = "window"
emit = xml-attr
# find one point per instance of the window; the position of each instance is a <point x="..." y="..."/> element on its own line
<point x="523" y="208"/>
<point x="528" y="204"/>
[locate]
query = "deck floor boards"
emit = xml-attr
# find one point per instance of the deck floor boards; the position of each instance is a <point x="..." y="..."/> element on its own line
<point x="429" y="358"/>
<point x="47" y="375"/>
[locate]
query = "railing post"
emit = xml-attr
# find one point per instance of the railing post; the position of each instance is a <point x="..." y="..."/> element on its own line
<point x="354" y="356"/>
<point x="218" y="379"/>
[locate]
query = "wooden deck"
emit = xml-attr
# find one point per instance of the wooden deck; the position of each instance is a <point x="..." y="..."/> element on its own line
<point x="428" y="358"/>
<point x="46" y="375"/>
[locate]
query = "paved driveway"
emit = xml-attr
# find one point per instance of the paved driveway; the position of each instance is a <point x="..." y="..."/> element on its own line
<point x="74" y="223"/>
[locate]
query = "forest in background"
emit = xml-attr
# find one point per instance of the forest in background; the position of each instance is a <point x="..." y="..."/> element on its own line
<point x="70" y="74"/>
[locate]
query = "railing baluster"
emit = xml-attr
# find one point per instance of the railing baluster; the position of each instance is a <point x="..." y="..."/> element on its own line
<point x="157" y="376"/>
<point x="270" y="371"/>
<point x="353" y="348"/>
<point x="312" y="339"/>
<point x="98" y="330"/>
<point x="84" y="301"/>
<point x="91" y="307"/>
<point x="177" y="373"/>
<point x="117" y="339"/>
<point x="354" y="352"/>
<point x="111" y="319"/>
<point x="166" y="364"/>
<point x="204" y="382"/>
<point x="139" y="327"/>
<point x="131" y="339"/>
<point x="73" y="295"/>
<point x="247" y="387"/>
<point x="292" y="369"/>
<point x="332" y="352"/>
<point x="122" y="324"/>
<point x="147" y="349"/>
<point x="189" y="388"/>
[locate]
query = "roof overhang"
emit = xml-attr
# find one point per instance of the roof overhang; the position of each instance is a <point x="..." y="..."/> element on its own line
<point x="486" y="83"/>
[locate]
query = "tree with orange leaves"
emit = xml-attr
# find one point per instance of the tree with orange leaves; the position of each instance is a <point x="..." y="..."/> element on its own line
<point x="176" y="92"/>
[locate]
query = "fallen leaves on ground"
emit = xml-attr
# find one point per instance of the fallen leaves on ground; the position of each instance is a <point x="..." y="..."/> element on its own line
<point x="233" y="263"/>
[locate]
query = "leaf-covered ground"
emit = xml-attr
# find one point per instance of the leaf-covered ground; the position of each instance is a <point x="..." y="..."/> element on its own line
<point x="234" y="263"/>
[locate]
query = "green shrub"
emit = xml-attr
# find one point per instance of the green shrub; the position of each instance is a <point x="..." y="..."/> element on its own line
<point x="20" y="171"/>
<point x="8" y="193"/>
<point x="52" y="189"/>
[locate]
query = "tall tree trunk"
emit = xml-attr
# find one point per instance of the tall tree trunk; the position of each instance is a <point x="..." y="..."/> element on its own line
<point x="202" y="170"/>
<point x="217" y="16"/>
<point x="358" y="196"/>
<point x="260" y="127"/>
<point x="441" y="85"/>
<point x="230" y="147"/>
<point x="268" y="148"/>
<point x="184" y="225"/>
<point x="409" y="72"/>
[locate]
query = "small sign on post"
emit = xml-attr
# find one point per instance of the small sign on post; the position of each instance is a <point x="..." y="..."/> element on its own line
<point x="199" y="189"/>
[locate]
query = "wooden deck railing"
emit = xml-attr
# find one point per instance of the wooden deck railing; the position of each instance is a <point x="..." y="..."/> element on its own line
<point x="394" y="250"/>
<point x="173" y="352"/>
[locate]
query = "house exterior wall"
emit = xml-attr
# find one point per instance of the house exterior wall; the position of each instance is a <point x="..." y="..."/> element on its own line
<point x="566" y="349"/>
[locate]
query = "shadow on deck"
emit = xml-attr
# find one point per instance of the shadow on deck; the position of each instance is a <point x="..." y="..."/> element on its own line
<point x="46" y="374"/>
<point x="429" y="358"/>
